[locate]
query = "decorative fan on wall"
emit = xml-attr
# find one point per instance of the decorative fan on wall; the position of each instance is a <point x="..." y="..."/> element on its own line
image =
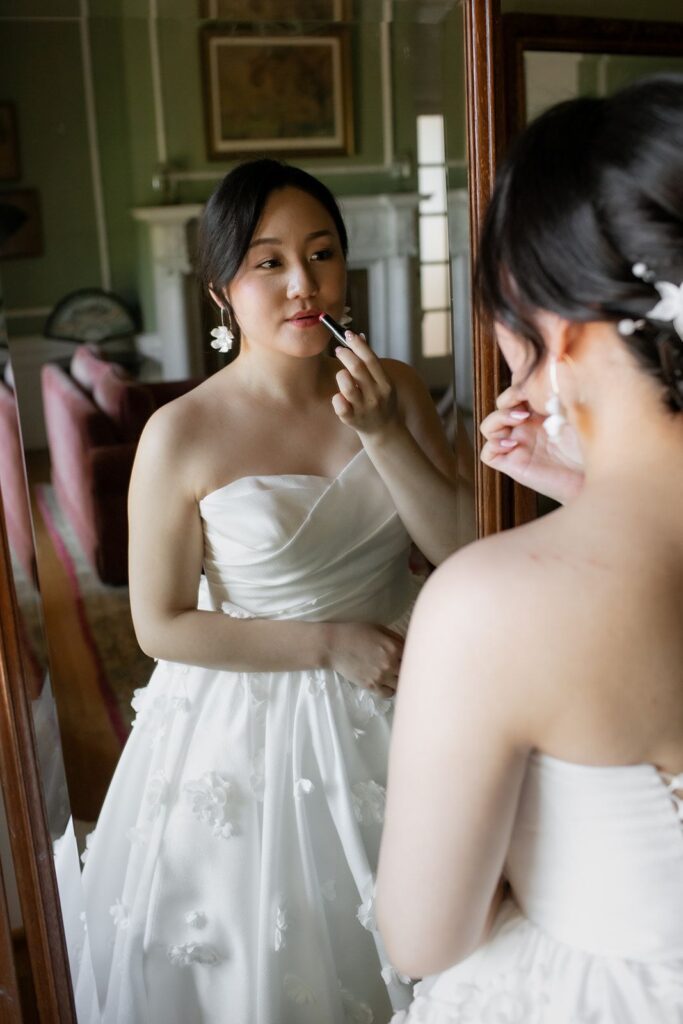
<point x="90" y="316"/>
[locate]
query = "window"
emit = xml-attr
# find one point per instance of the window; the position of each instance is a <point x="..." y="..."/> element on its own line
<point x="433" y="234"/>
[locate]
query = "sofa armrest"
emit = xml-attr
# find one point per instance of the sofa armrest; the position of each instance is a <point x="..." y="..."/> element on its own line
<point x="111" y="467"/>
<point x="164" y="391"/>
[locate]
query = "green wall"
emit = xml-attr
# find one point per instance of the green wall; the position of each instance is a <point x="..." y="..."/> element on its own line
<point x="42" y="72"/>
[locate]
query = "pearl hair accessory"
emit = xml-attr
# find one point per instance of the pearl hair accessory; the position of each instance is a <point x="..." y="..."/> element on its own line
<point x="223" y="337"/>
<point x="669" y="309"/>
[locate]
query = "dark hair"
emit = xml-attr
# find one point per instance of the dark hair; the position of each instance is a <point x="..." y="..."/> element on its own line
<point x="234" y="210"/>
<point x="590" y="188"/>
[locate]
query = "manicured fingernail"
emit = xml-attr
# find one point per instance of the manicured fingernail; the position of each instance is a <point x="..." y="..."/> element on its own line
<point x="348" y="335"/>
<point x="519" y="414"/>
<point x="338" y="349"/>
<point x="508" y="444"/>
<point x="363" y="336"/>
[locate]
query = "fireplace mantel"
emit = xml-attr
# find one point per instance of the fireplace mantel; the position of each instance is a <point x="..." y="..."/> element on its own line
<point x="382" y="233"/>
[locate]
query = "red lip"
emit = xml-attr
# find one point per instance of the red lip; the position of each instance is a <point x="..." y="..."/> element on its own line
<point x="305" y="318"/>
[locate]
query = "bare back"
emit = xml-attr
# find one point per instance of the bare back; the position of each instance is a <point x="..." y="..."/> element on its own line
<point x="596" y="619"/>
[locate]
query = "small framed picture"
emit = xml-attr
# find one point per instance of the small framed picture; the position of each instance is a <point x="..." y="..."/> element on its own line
<point x="22" y="209"/>
<point x="270" y="94"/>
<point x="10" y="169"/>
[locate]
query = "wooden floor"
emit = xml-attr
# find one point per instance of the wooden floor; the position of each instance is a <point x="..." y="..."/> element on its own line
<point x="90" y="747"/>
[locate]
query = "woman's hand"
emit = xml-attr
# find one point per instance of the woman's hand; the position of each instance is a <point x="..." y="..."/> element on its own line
<point x="517" y="445"/>
<point x="366" y="399"/>
<point x="365" y="654"/>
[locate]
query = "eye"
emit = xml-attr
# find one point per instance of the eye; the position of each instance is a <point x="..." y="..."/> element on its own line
<point x="269" y="264"/>
<point x="323" y="254"/>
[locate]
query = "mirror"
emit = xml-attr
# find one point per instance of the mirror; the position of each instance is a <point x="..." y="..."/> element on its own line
<point x="109" y="178"/>
<point x="549" y="58"/>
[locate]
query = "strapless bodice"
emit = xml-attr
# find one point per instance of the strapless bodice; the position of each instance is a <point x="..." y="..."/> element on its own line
<point x="596" y="858"/>
<point x="306" y="547"/>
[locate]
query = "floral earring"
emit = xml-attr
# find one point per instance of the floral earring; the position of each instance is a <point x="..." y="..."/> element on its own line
<point x="223" y="337"/>
<point x="555" y="419"/>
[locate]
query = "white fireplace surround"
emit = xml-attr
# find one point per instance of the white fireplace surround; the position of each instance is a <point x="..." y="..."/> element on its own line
<point x="382" y="233"/>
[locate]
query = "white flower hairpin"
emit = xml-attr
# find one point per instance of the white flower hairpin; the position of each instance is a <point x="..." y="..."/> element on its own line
<point x="669" y="309"/>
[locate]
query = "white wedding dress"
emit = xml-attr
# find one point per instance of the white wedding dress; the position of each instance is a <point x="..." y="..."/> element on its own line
<point x="594" y="933"/>
<point x="230" y="876"/>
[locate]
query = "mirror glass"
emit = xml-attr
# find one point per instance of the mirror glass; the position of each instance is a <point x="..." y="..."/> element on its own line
<point x="552" y="77"/>
<point x="117" y="119"/>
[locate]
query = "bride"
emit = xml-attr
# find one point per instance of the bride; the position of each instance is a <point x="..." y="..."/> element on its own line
<point x="230" y="876"/>
<point x="540" y="735"/>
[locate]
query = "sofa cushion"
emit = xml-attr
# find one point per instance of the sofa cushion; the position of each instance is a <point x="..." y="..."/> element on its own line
<point x="87" y="368"/>
<point x="128" y="404"/>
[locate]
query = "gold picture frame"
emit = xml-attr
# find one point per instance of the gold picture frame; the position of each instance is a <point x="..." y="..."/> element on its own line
<point x="277" y="94"/>
<point x="250" y="11"/>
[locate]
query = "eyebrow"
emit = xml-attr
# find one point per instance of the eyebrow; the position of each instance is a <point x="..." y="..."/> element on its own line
<point x="278" y="241"/>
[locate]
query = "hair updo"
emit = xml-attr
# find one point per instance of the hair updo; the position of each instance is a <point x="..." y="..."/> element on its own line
<point x="592" y="187"/>
<point x="235" y="207"/>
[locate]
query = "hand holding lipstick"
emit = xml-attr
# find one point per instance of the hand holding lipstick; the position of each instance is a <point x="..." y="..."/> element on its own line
<point x="366" y="399"/>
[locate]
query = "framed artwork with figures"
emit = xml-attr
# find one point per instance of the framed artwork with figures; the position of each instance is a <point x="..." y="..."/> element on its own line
<point x="277" y="94"/>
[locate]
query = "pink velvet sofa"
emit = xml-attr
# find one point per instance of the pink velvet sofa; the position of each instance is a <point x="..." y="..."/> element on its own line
<point x="94" y="415"/>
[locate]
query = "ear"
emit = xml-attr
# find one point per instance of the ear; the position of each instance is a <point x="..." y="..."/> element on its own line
<point x="219" y="299"/>
<point x="560" y="335"/>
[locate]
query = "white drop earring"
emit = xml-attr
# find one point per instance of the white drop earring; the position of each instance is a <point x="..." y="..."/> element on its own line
<point x="346" y="318"/>
<point x="556" y="419"/>
<point x="223" y="337"/>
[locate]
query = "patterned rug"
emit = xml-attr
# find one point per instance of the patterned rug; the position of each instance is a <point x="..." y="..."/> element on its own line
<point x="104" y="614"/>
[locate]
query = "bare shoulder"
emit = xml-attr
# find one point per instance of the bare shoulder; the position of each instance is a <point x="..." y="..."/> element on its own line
<point x="406" y="380"/>
<point x="177" y="436"/>
<point x="486" y="616"/>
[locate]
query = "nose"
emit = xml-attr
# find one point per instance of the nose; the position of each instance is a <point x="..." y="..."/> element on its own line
<point x="302" y="283"/>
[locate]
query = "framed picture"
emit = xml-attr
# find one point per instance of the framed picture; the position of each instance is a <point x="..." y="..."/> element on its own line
<point x="271" y="94"/>
<point x="22" y="207"/>
<point x="273" y="10"/>
<point x="9" y="144"/>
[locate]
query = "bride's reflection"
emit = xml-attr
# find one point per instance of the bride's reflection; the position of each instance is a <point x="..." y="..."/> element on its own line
<point x="233" y="862"/>
<point x="89" y="406"/>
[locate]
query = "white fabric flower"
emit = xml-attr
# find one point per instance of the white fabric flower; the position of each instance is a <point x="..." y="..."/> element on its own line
<point x="670" y="306"/>
<point x="212" y="798"/>
<point x="222" y="338"/>
<point x="298" y="991"/>
<point x="356" y="1012"/>
<point x="316" y="683"/>
<point x="119" y="914"/>
<point x="390" y="976"/>
<point x="302" y="787"/>
<point x="88" y="843"/>
<point x="195" y="918"/>
<point x="368" y="800"/>
<point x="281" y="925"/>
<point x="257" y="775"/>
<point x="138" y="835"/>
<point x="157" y="794"/>
<point x="193" y="953"/>
<point x="366" y="911"/>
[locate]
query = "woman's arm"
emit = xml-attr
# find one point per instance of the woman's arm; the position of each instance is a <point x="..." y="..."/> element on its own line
<point x="165" y="561"/>
<point x="457" y="762"/>
<point x="395" y="417"/>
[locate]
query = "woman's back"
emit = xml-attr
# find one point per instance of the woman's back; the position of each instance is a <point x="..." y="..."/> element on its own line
<point x="600" y="587"/>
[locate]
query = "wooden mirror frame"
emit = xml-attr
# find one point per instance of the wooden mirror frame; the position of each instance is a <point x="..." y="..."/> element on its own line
<point x="31" y="846"/>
